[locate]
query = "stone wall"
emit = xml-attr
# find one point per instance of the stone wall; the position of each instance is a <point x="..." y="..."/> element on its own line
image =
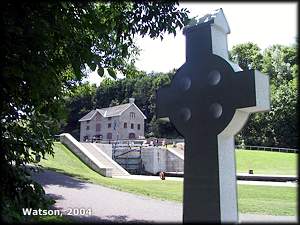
<point x="126" y="118"/>
<point x="175" y="163"/>
<point x="156" y="159"/>
<point x="84" y="155"/>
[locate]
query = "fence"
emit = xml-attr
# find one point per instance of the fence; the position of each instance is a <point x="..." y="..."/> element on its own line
<point x="127" y="153"/>
<point x="264" y="148"/>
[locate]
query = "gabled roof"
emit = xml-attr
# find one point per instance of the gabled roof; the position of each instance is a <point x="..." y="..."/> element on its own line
<point x="110" y="111"/>
<point x="88" y="116"/>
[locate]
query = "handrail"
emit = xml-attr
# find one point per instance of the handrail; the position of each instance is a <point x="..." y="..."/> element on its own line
<point x="265" y="148"/>
<point x="126" y="143"/>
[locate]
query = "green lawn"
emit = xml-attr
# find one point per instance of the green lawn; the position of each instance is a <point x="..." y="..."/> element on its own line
<point x="268" y="200"/>
<point x="252" y="199"/>
<point x="262" y="162"/>
<point x="66" y="162"/>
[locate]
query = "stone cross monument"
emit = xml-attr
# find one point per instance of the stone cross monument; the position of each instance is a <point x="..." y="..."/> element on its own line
<point x="208" y="101"/>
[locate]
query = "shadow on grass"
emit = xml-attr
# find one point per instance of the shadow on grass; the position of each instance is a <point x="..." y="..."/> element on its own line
<point x="75" y="175"/>
<point x="48" y="177"/>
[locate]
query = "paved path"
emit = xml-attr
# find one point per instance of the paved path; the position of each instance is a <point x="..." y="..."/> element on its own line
<point x="110" y="205"/>
<point x="265" y="183"/>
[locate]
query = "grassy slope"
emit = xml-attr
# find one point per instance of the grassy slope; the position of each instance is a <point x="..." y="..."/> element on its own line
<point x="266" y="162"/>
<point x="65" y="161"/>
<point x="252" y="199"/>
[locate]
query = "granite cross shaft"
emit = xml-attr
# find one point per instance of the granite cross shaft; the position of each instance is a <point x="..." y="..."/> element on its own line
<point x="208" y="101"/>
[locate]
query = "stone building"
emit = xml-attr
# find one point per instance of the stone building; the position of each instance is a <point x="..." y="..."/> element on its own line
<point x="124" y="121"/>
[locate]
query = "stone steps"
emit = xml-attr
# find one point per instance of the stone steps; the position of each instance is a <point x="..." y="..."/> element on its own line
<point x="117" y="170"/>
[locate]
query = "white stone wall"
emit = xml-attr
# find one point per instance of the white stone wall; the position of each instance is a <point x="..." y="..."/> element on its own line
<point x="138" y="119"/>
<point x="154" y="159"/>
<point x="98" y="118"/>
<point x="174" y="163"/>
<point x="157" y="159"/>
<point x="84" y="155"/>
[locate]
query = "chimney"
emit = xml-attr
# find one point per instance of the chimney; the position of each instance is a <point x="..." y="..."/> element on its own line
<point x="131" y="100"/>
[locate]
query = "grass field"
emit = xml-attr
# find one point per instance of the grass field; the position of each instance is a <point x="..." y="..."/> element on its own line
<point x="252" y="199"/>
<point x="262" y="162"/>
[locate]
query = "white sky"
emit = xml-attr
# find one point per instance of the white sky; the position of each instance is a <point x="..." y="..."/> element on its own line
<point x="262" y="23"/>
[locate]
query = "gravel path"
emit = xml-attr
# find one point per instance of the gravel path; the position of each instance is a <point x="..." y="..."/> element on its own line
<point x="110" y="205"/>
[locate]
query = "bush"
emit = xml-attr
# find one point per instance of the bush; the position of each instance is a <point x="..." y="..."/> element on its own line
<point x="22" y="192"/>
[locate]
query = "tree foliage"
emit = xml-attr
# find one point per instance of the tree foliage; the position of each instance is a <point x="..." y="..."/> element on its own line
<point x="45" y="48"/>
<point x="247" y="55"/>
<point x="278" y="126"/>
<point x="78" y="103"/>
<point x="280" y="63"/>
<point x="274" y="128"/>
<point x="114" y="92"/>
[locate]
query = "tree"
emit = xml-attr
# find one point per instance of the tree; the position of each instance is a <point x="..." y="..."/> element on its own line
<point x="45" y="47"/>
<point x="247" y="55"/>
<point x="278" y="126"/>
<point x="132" y="72"/>
<point x="113" y="92"/>
<point x="280" y="63"/>
<point x="78" y="103"/>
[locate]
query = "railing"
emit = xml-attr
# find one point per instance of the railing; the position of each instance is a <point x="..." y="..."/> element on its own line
<point x="120" y="153"/>
<point x="165" y="141"/>
<point x="264" y="148"/>
<point x="121" y="142"/>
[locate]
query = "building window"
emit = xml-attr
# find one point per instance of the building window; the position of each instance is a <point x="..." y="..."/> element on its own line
<point x="109" y="118"/>
<point x="139" y="126"/>
<point x="109" y="125"/>
<point x="125" y="125"/>
<point x="132" y="115"/>
<point x="98" y="127"/>
<point x="109" y="136"/>
<point x="132" y="126"/>
<point x="87" y="121"/>
<point x="87" y="127"/>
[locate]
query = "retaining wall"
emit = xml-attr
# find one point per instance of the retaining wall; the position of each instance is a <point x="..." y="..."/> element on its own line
<point x="84" y="155"/>
<point x="156" y="159"/>
<point x="175" y="162"/>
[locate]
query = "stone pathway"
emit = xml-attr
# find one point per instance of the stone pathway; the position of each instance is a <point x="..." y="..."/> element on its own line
<point x="110" y="205"/>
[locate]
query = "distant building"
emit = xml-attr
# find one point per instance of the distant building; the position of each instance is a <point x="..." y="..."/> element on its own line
<point x="124" y="121"/>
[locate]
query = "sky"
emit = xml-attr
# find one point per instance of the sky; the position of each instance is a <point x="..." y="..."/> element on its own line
<point x="262" y="23"/>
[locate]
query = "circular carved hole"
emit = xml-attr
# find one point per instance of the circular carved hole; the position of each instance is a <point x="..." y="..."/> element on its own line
<point x="185" y="114"/>
<point x="214" y="77"/>
<point x="185" y="83"/>
<point x="216" y="110"/>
